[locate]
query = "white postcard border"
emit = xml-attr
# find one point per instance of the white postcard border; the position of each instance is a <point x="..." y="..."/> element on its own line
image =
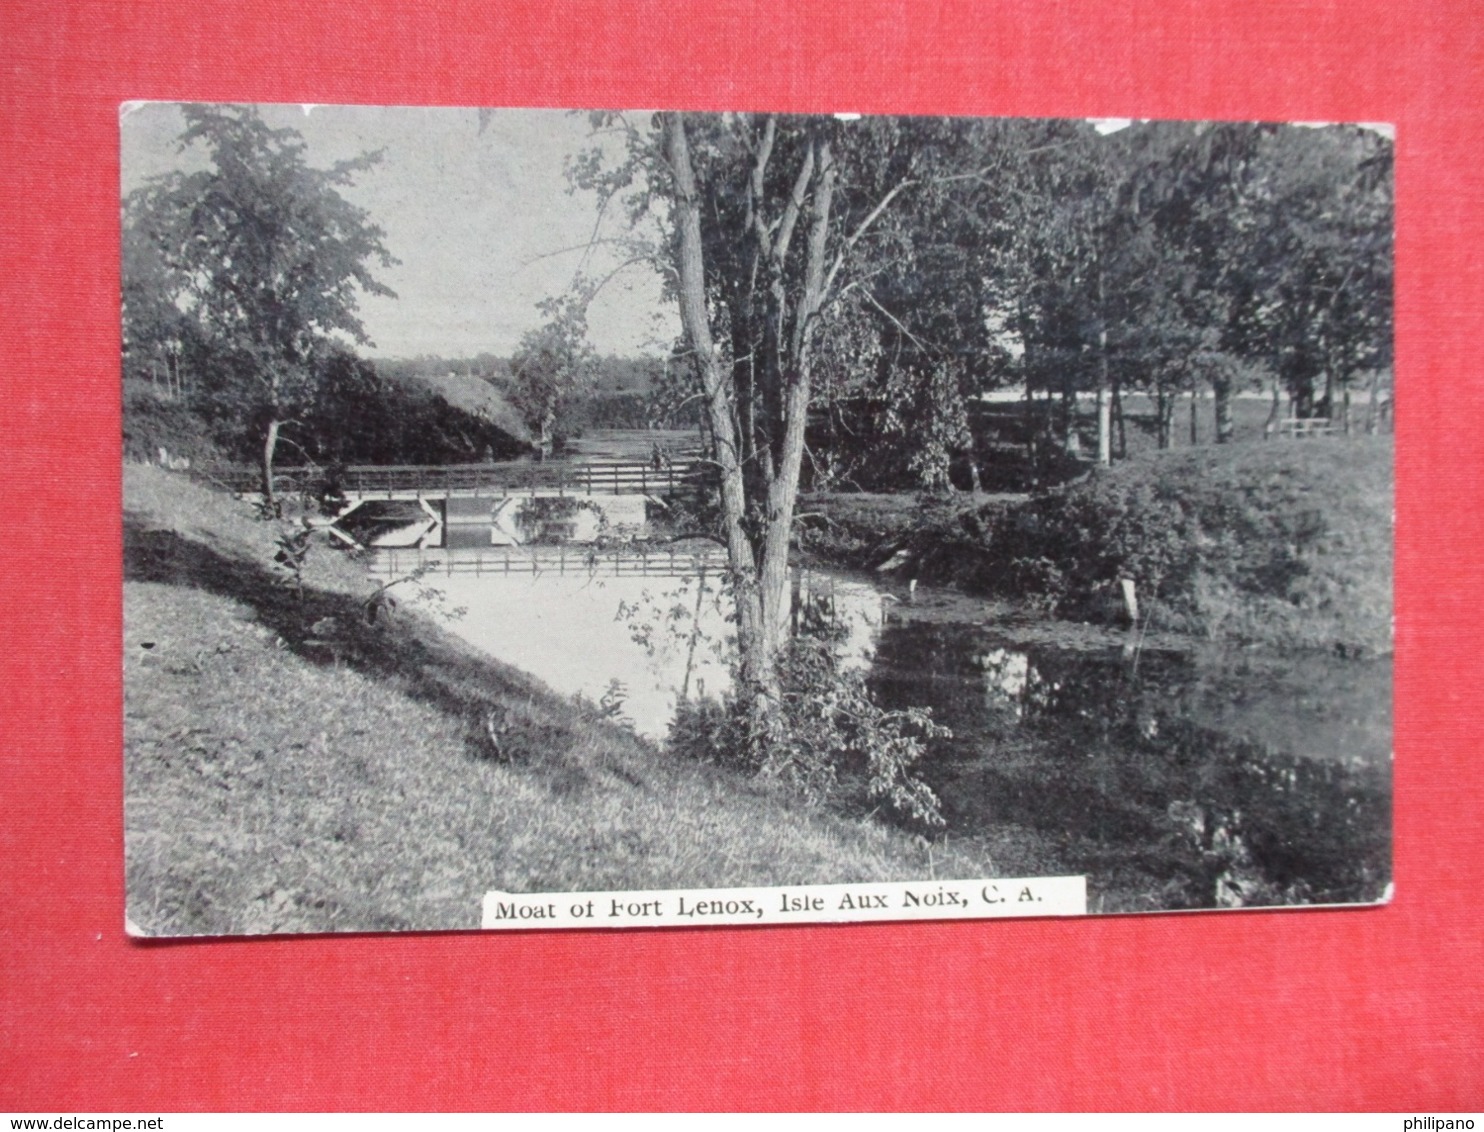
<point x="981" y="898"/>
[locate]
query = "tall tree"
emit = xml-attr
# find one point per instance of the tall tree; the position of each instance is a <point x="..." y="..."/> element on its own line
<point x="1327" y="314"/>
<point x="765" y="223"/>
<point x="551" y="365"/>
<point x="264" y="259"/>
<point x="755" y="187"/>
<point x="157" y="335"/>
<point x="942" y="285"/>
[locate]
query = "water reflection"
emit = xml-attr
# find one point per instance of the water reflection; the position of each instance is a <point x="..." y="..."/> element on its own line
<point x="641" y="641"/>
<point x="1007" y="676"/>
<point x="1234" y="780"/>
<point x="1193" y="778"/>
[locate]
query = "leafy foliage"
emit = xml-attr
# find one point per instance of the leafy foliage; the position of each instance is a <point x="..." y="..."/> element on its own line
<point x="826" y="735"/>
<point x="248" y="273"/>
<point x="293" y="554"/>
<point x="1285" y="543"/>
<point x="153" y="419"/>
<point x="551" y="366"/>
<point x="1165" y="258"/>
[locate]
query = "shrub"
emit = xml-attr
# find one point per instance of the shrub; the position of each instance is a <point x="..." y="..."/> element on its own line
<point x="1288" y="543"/>
<point x="153" y="421"/>
<point x="826" y="736"/>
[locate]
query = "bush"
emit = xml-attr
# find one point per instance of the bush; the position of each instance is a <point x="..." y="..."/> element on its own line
<point x="153" y="421"/>
<point x="1287" y="543"/>
<point x="826" y="737"/>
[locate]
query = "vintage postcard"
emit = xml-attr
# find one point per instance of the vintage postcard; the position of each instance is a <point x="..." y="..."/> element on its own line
<point x="542" y="519"/>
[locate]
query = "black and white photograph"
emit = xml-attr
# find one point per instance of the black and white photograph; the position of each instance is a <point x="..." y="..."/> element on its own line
<point x="619" y="519"/>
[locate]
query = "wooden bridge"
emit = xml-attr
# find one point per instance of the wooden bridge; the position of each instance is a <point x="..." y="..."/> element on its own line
<point x="685" y="474"/>
<point x="624" y="562"/>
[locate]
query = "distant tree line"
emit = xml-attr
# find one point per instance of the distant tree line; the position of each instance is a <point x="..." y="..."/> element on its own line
<point x="612" y="373"/>
<point x="595" y="391"/>
<point x="1166" y="259"/>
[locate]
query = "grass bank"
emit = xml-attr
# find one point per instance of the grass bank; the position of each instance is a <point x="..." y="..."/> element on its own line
<point x="294" y="767"/>
<point x="1286" y="544"/>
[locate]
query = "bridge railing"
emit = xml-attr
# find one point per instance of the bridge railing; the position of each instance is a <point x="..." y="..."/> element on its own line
<point x="409" y="480"/>
<point x="395" y="562"/>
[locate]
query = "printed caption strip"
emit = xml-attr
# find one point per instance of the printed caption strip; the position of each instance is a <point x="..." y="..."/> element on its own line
<point x="996" y="898"/>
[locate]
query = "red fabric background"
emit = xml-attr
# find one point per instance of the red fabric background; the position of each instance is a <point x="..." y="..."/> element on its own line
<point x="1375" y="1009"/>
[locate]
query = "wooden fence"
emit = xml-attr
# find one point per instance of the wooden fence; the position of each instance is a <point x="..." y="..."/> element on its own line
<point x="1301" y="427"/>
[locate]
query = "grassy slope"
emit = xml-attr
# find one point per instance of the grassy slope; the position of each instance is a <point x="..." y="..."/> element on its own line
<point x="1297" y="539"/>
<point x="276" y="784"/>
<point x="1283" y="543"/>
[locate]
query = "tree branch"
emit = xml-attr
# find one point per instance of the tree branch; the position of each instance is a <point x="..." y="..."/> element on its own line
<point x="860" y="230"/>
<point x="778" y="253"/>
<point x="929" y="347"/>
<point x="756" y="183"/>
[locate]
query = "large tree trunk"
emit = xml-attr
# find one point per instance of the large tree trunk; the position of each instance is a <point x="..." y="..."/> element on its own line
<point x="757" y="671"/>
<point x="1030" y="417"/>
<point x="797" y="381"/>
<point x="976" y="482"/>
<point x="1069" y="441"/>
<point x="759" y="583"/>
<point x="544" y="441"/>
<point x="758" y="495"/>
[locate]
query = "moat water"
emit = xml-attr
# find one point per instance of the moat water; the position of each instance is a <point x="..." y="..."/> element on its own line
<point x="1174" y="773"/>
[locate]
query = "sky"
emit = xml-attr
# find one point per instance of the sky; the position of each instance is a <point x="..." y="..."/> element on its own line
<point x="482" y="223"/>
